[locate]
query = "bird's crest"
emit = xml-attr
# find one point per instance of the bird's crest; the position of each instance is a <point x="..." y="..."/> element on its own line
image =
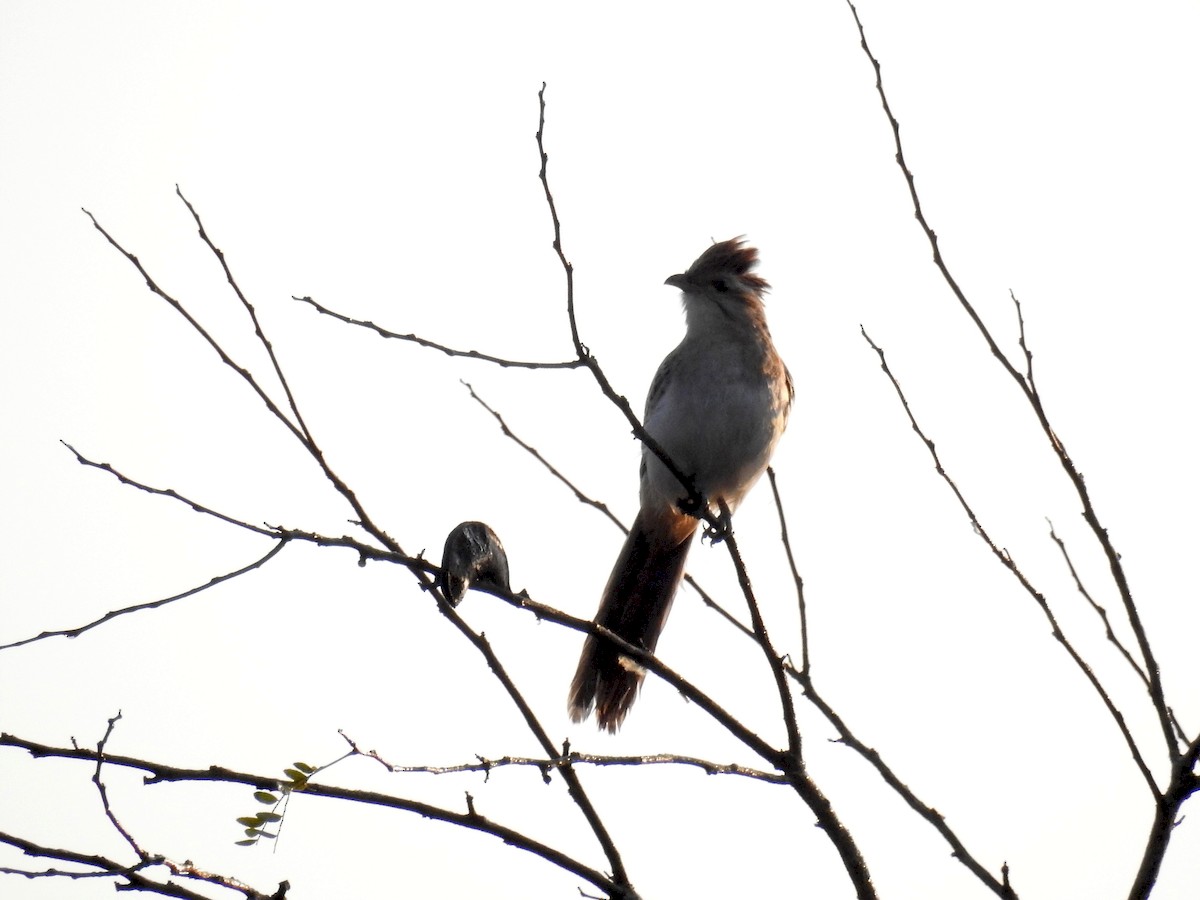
<point x="730" y="256"/>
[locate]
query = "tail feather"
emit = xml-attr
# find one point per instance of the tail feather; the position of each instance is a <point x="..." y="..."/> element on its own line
<point x="635" y="606"/>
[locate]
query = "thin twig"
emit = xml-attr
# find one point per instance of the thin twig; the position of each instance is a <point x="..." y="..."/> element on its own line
<point x="601" y="507"/>
<point x="1028" y="377"/>
<point x="277" y="532"/>
<point x="763" y="639"/>
<point x="999" y="886"/>
<point x="152" y="604"/>
<point x="167" y="492"/>
<point x="434" y="345"/>
<point x="796" y="579"/>
<point x="134" y="879"/>
<point x="258" y="332"/>
<point x="1099" y="610"/>
<point x="103" y="791"/>
<point x="546" y="765"/>
<point x="568" y="270"/>
<point x="597" y="505"/>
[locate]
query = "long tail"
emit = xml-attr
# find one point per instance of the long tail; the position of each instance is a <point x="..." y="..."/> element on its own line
<point x="635" y="605"/>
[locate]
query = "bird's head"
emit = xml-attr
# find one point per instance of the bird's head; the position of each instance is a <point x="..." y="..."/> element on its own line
<point x="722" y="274"/>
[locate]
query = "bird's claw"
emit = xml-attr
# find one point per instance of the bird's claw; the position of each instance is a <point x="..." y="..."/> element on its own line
<point x="722" y="529"/>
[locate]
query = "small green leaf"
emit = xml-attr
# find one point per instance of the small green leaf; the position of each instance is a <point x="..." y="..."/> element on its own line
<point x="248" y="842"/>
<point x="269" y="816"/>
<point x="296" y="776"/>
<point x="266" y="797"/>
<point x="249" y="821"/>
<point x="253" y="833"/>
<point x="304" y="767"/>
<point x="268" y="835"/>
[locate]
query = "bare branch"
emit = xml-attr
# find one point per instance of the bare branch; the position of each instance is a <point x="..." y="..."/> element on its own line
<point x="277" y="532"/>
<point x="999" y="886"/>
<point x="793" y="761"/>
<point x="600" y="506"/>
<point x="1007" y="561"/>
<point x="422" y="570"/>
<point x="364" y="520"/>
<point x="1184" y="783"/>
<point x="1027" y="388"/>
<point x="161" y="773"/>
<point x="153" y="604"/>
<point x="533" y="451"/>
<point x="167" y="492"/>
<point x="545" y="765"/>
<point x="574" y="786"/>
<point x="434" y="345"/>
<point x="763" y="639"/>
<point x="1099" y="610"/>
<point x="803" y="677"/>
<point x="258" y="332"/>
<point x="797" y="580"/>
<point x="580" y="351"/>
<point x="693" y="504"/>
<point x="200" y="330"/>
<point x="133" y="877"/>
<point x="108" y="811"/>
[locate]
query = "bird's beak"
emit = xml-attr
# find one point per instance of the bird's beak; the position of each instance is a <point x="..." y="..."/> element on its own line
<point x="680" y="281"/>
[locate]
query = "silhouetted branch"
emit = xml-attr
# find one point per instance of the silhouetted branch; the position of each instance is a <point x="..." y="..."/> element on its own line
<point x="1184" y="782"/>
<point x="258" y="332"/>
<point x="1028" y="389"/>
<point x="999" y="886"/>
<point x="1099" y="610"/>
<point x="167" y="492"/>
<point x="693" y="504"/>
<point x="132" y="877"/>
<point x="803" y="677"/>
<point x="434" y="345"/>
<point x="796" y="579"/>
<point x="571" y="757"/>
<point x="162" y="773"/>
<point x="568" y="270"/>
<point x="575" y="789"/>
<point x="574" y="786"/>
<point x="153" y="604"/>
<point x="1009" y="563"/>
<point x="601" y="507"/>
<point x="129" y="877"/>
<point x="301" y="435"/>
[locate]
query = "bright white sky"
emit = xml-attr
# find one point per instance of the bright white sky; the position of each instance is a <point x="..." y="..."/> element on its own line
<point x="383" y="162"/>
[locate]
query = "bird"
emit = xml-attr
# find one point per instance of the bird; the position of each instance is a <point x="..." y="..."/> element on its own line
<point x="472" y="557"/>
<point x="717" y="406"/>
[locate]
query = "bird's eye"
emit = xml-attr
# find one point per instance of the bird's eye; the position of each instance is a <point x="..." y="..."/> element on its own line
<point x="720" y="286"/>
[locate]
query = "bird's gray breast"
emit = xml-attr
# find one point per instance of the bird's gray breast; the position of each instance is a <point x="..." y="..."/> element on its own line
<point x="713" y="412"/>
